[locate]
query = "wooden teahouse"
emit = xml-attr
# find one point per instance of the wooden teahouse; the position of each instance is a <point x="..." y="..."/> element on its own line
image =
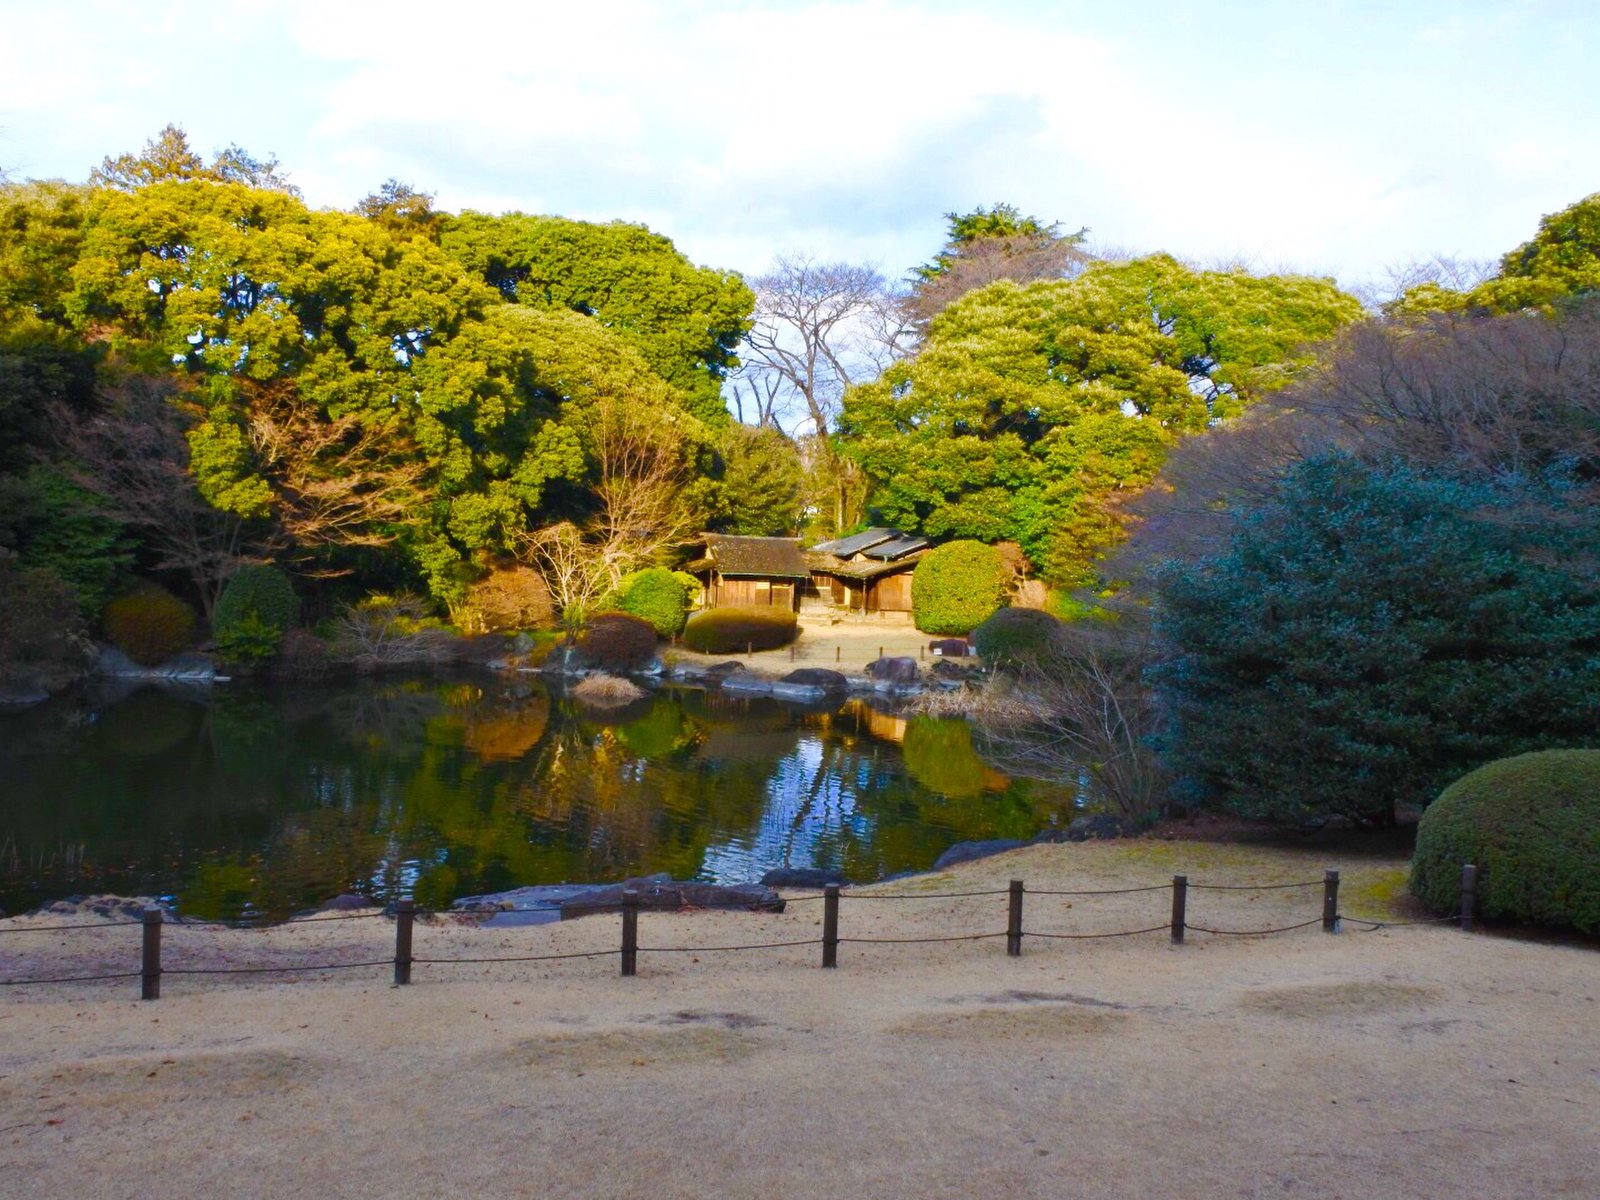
<point x="867" y="572"/>
<point x="747" y="572"/>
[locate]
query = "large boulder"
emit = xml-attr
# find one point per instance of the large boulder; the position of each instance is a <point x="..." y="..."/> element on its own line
<point x="810" y="683"/>
<point x="970" y="851"/>
<point x="660" y="891"/>
<point x="802" y="877"/>
<point x="902" y="672"/>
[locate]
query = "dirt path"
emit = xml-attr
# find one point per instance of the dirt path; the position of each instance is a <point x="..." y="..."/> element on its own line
<point x="1414" y="1062"/>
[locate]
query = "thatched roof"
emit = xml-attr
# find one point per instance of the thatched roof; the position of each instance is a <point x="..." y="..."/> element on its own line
<point x="755" y="557"/>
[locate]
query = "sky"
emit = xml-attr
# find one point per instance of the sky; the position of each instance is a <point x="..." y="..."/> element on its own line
<point x="1340" y="137"/>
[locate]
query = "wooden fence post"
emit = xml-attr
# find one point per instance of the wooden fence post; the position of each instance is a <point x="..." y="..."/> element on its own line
<point x="150" y="967"/>
<point x="1180" y="907"/>
<point x="1469" y="896"/>
<point x="630" y="931"/>
<point x="1330" y="902"/>
<point x="1014" y="921"/>
<point x="405" y="912"/>
<point x="837" y="650"/>
<point x="830" y="925"/>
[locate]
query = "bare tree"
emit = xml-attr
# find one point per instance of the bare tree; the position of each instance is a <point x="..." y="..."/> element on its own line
<point x="343" y="481"/>
<point x="818" y="329"/>
<point x="1084" y="707"/>
<point x="642" y="469"/>
<point x="134" y="458"/>
<point x="575" y="574"/>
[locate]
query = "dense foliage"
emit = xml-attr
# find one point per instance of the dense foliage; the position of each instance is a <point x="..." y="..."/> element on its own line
<point x="261" y="591"/>
<point x="957" y="586"/>
<point x="42" y="631"/>
<point x="658" y="596"/>
<point x="1531" y="824"/>
<point x="736" y="630"/>
<point x="1371" y="631"/>
<point x="1031" y="410"/>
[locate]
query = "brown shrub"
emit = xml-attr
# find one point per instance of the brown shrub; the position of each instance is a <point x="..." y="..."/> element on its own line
<point x="607" y="691"/>
<point x="149" y="624"/>
<point x="616" y="641"/>
<point x="508" y="598"/>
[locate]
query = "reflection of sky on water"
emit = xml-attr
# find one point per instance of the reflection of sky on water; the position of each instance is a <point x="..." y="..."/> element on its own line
<point x="811" y="806"/>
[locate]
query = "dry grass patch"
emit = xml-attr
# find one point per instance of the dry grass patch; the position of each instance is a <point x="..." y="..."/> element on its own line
<point x="1035" y="1021"/>
<point x="693" y="1042"/>
<point x="607" y="691"/>
<point x="1338" y="999"/>
<point x="155" y="1081"/>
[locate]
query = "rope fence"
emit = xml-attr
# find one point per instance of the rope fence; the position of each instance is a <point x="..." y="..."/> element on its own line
<point x="155" y="922"/>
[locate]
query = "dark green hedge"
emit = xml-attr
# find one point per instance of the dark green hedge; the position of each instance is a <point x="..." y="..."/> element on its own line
<point x="262" y="590"/>
<point x="735" y="630"/>
<point x="1532" y="826"/>
<point x="958" y="586"/>
<point x="1016" y="637"/>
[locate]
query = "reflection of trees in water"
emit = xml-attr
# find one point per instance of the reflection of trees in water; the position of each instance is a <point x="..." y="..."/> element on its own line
<point x="273" y="799"/>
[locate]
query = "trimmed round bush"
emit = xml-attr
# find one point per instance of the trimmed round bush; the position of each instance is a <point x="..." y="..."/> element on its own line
<point x="1016" y="637"/>
<point x="615" y="641"/>
<point x="958" y="586"/>
<point x="1531" y="824"/>
<point x="262" y="590"/>
<point x="735" y="630"/>
<point x="656" y="595"/>
<point x="149" y="624"/>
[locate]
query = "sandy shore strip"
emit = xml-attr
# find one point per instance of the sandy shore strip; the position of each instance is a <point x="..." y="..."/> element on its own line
<point x="1407" y="1062"/>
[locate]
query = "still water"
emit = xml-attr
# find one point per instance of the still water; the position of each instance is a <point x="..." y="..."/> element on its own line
<point x="255" y="799"/>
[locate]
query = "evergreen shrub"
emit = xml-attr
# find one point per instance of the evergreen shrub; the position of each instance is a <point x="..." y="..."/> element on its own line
<point x="958" y="586"/>
<point x="734" y="630"/>
<point x="260" y="591"/>
<point x="149" y="624"/>
<point x="617" y="641"/>
<point x="658" y="596"/>
<point x="1016" y="637"/>
<point x="1531" y="824"/>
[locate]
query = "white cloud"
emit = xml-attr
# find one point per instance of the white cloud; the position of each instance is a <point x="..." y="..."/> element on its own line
<point x="846" y="129"/>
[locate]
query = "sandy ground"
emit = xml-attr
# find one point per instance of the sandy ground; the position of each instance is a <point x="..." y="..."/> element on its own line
<point x="1409" y="1062"/>
<point x="846" y="645"/>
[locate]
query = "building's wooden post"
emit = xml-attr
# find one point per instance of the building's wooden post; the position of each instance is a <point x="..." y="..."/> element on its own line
<point x="1180" y="907"/>
<point x="150" y="966"/>
<point x="830" y="925"/>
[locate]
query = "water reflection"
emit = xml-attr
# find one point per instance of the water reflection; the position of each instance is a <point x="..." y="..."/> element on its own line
<point x="268" y="800"/>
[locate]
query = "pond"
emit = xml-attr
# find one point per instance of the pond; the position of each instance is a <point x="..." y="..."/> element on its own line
<point x="252" y="799"/>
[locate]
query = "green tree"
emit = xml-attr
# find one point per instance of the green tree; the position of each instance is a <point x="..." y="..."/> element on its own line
<point x="1370" y="633"/>
<point x="684" y="320"/>
<point x="1032" y="411"/>
<point x="761" y="482"/>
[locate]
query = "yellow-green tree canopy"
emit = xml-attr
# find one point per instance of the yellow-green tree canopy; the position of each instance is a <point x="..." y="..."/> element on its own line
<point x="686" y="321"/>
<point x="1032" y="408"/>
